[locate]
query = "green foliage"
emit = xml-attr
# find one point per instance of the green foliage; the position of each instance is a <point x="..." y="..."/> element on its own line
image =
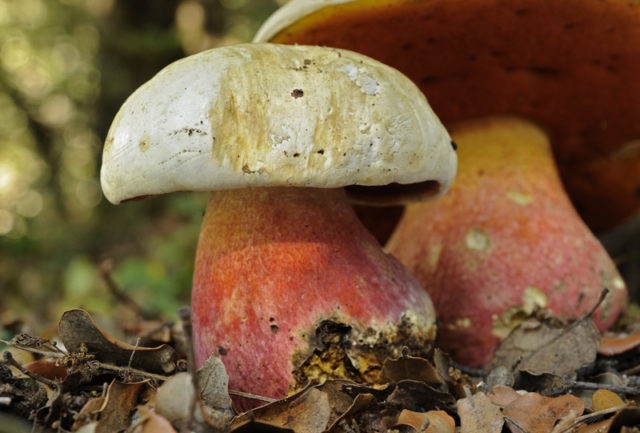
<point x="65" y="68"/>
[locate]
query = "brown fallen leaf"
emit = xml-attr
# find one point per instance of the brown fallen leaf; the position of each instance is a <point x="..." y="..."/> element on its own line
<point x="503" y="396"/>
<point x="604" y="399"/>
<point x="434" y="421"/>
<point x="419" y="396"/>
<point x="120" y="401"/>
<point x="47" y="368"/>
<point x="409" y="367"/>
<point x="535" y="413"/>
<point x="360" y="403"/>
<point x="548" y="348"/>
<point x="308" y="411"/>
<point x="478" y="414"/>
<point x="89" y="413"/>
<point x="77" y="330"/>
<point x="440" y="422"/>
<point x="418" y="421"/>
<point x="212" y="382"/>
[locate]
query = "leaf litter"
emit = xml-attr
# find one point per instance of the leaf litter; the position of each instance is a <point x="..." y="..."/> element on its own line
<point x="547" y="376"/>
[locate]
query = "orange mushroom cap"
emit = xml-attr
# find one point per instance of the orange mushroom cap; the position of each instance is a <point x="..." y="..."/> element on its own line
<point x="571" y="66"/>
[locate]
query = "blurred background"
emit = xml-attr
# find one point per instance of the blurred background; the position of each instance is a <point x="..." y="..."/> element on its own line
<point x="66" y="66"/>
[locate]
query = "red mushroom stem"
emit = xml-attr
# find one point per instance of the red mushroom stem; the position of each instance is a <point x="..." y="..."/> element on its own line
<point x="274" y="266"/>
<point x="504" y="240"/>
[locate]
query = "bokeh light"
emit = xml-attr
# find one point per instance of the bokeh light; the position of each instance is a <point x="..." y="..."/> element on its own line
<point x="65" y="68"/>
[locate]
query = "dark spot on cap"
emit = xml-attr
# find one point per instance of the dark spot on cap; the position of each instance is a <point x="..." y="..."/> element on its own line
<point x="222" y="351"/>
<point x="275" y="329"/>
<point x="454" y="145"/>
<point x="297" y="93"/>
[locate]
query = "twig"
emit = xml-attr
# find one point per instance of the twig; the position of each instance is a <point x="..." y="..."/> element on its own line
<point x="252" y="396"/>
<point x="590" y="386"/>
<point x="515" y="425"/>
<point x="45" y="353"/>
<point x="585" y="418"/>
<point x="106" y="267"/>
<point x="603" y="295"/>
<point x="101" y="365"/>
<point x="473" y="372"/>
<point x="9" y="359"/>
<point x="129" y="370"/>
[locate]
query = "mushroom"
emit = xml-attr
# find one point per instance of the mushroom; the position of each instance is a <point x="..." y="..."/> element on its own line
<point x="288" y="286"/>
<point x="571" y="69"/>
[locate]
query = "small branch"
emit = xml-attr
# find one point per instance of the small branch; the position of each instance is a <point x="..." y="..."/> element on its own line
<point x="591" y="416"/>
<point x="603" y="295"/>
<point x="45" y="353"/>
<point x="101" y="365"/>
<point x="252" y="396"/>
<point x="9" y="359"/>
<point x="590" y="386"/>
<point x="473" y="372"/>
<point x="515" y="425"/>
<point x="106" y="267"/>
<point x="128" y="370"/>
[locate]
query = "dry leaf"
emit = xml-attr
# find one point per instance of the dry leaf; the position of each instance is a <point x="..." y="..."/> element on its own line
<point x="434" y="421"/>
<point x="361" y="405"/>
<point x="121" y="399"/>
<point x="77" y="329"/>
<point x="535" y="413"/>
<point x="48" y="368"/>
<point x="213" y="381"/>
<point x="604" y="399"/>
<point x="304" y="412"/>
<point x="478" y="414"/>
<point x="503" y="396"/>
<point x="89" y="413"/>
<point x="544" y="348"/>
<point x="413" y="368"/>
<point x="440" y="422"/>
<point x="419" y="396"/>
<point x="418" y="421"/>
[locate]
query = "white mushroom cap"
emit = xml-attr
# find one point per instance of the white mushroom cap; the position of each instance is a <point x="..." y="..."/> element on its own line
<point x="254" y="115"/>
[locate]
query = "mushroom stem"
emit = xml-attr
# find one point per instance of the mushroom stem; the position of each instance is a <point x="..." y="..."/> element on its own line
<point x="279" y="270"/>
<point x="505" y="240"/>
